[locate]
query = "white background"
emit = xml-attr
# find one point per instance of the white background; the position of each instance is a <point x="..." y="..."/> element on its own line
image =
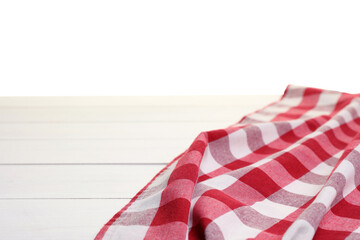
<point x="177" y="47"/>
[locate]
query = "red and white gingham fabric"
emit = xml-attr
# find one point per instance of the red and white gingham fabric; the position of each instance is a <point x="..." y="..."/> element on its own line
<point x="288" y="171"/>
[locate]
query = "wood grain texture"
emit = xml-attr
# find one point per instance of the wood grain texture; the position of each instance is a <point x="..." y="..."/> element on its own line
<point x="93" y="151"/>
<point x="145" y="130"/>
<point x="74" y="181"/>
<point x="60" y="219"/>
<point x="218" y="100"/>
<point x="109" y="114"/>
<point x="68" y="164"/>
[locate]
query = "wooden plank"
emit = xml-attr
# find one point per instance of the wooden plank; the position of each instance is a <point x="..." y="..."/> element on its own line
<point x="79" y="181"/>
<point x="90" y="114"/>
<point x="91" y="134"/>
<point x="61" y="219"/>
<point x="143" y="130"/>
<point x="105" y="151"/>
<point x="138" y="100"/>
<point x="43" y="198"/>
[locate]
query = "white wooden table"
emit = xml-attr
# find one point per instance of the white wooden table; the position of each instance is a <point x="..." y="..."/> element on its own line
<point x="68" y="164"/>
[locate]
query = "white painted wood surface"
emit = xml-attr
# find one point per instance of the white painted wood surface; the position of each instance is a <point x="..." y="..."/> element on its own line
<point x="55" y="219"/>
<point x="68" y="164"/>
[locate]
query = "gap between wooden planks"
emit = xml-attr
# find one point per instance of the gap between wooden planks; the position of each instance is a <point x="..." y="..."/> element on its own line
<point x="68" y="164"/>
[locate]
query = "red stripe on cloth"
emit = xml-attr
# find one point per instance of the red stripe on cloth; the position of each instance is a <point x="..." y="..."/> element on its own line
<point x="289" y="170"/>
<point x="322" y="234"/>
<point x="309" y="100"/>
<point x="198" y="232"/>
<point x="103" y="230"/>
<point x="292" y="165"/>
<point x="172" y="212"/>
<point x="346" y="209"/>
<point x="178" y="210"/>
<point x="258" y="179"/>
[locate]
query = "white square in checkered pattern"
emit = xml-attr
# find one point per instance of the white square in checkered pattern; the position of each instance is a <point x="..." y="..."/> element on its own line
<point x="273" y="209"/>
<point x="299" y="187"/>
<point x="268" y="132"/>
<point x="238" y="144"/>
<point x="208" y="163"/>
<point x="220" y="182"/>
<point x="226" y="223"/>
<point x="133" y="232"/>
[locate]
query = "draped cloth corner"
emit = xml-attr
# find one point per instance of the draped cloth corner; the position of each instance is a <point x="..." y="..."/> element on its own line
<point x="290" y="170"/>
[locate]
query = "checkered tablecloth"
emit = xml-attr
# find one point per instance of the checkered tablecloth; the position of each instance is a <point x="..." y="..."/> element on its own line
<point x="288" y="171"/>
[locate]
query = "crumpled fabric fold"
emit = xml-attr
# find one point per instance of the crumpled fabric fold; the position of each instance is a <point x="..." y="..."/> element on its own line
<point x="290" y="170"/>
